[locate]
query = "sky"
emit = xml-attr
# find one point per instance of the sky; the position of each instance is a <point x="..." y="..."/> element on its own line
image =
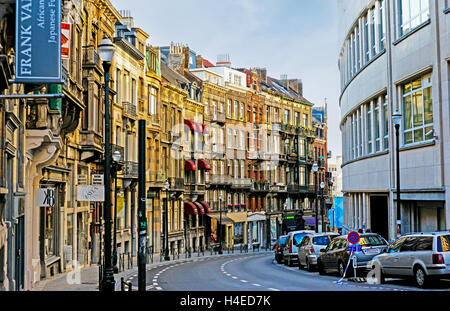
<point x="293" y="37"/>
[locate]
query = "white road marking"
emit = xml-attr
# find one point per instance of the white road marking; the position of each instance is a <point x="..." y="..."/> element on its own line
<point x="244" y="281"/>
<point x="254" y="284"/>
<point x="274" y="289"/>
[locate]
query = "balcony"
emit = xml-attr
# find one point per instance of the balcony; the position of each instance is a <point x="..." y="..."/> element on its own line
<point x="220" y="180"/>
<point x="194" y="188"/>
<point x="260" y="187"/>
<point x="278" y="187"/>
<point x="262" y="155"/>
<point x="292" y="157"/>
<point x="293" y="188"/>
<point x="90" y="57"/>
<point x="130" y="169"/>
<point x="241" y="183"/>
<point x="218" y="117"/>
<point x="176" y="184"/>
<point x="129" y="110"/>
<point x="252" y="155"/>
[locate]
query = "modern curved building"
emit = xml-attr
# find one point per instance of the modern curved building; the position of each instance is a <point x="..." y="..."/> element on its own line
<point x="394" y="59"/>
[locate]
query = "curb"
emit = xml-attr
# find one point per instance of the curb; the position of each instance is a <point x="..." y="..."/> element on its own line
<point x="357" y="279"/>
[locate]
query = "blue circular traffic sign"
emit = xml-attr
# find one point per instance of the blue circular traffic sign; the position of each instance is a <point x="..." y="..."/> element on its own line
<point x="353" y="237"/>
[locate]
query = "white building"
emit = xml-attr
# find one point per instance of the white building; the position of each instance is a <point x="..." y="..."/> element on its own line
<point x="395" y="58"/>
<point x="336" y="177"/>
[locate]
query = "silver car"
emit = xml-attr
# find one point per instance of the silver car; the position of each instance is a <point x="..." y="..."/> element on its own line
<point x="310" y="247"/>
<point x="293" y="239"/>
<point x="419" y="255"/>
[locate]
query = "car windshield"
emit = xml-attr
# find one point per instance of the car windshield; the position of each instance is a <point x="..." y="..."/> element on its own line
<point x="371" y="240"/>
<point x="444" y="243"/>
<point x="282" y="240"/>
<point x="299" y="237"/>
<point x="321" y="240"/>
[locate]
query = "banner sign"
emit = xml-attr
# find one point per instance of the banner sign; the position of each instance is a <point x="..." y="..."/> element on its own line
<point x="45" y="197"/>
<point x="38" y="41"/>
<point x="91" y="193"/>
<point x="65" y="40"/>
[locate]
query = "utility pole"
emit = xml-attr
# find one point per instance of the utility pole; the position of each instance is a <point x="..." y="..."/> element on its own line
<point x="142" y="219"/>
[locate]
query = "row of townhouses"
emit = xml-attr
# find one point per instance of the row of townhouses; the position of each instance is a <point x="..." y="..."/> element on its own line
<point x="228" y="150"/>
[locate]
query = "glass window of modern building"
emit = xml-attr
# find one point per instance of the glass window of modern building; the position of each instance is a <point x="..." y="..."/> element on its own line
<point x="412" y="13"/>
<point x="418" y="110"/>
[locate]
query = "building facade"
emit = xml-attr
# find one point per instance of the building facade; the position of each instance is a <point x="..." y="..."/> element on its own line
<point x="394" y="59"/>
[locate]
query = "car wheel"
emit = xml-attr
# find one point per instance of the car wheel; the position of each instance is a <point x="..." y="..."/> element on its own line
<point x="278" y="259"/>
<point x="320" y="268"/>
<point x="309" y="267"/>
<point x="420" y="277"/>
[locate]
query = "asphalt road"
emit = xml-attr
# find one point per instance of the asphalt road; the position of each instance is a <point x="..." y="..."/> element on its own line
<point x="255" y="272"/>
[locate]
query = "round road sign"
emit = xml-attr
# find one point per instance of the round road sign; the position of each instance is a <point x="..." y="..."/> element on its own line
<point x="353" y="237"/>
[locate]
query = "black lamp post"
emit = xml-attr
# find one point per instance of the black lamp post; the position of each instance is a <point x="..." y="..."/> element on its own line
<point x="220" y="224"/>
<point x="315" y="167"/>
<point x="166" y="223"/>
<point x="397" y="119"/>
<point x="115" y="167"/>
<point x="106" y="52"/>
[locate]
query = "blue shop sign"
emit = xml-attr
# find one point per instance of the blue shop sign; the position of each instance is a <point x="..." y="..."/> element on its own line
<point x="38" y="41"/>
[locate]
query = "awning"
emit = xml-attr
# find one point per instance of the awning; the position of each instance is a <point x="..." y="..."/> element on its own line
<point x="256" y="217"/>
<point x="198" y="127"/>
<point x="205" y="129"/>
<point x="225" y="219"/>
<point x="238" y="217"/>
<point x="190" y="208"/>
<point x="206" y="207"/>
<point x="200" y="208"/>
<point x="189" y="165"/>
<point x="203" y="165"/>
<point x="190" y="124"/>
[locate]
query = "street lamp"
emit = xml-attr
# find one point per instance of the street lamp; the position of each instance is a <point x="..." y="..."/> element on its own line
<point x="315" y="167"/>
<point x="106" y="52"/>
<point x="116" y="156"/>
<point x="322" y="186"/>
<point x="220" y="225"/>
<point x="397" y="119"/>
<point x="166" y="223"/>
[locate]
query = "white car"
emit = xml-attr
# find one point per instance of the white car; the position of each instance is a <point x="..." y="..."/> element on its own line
<point x="293" y="239"/>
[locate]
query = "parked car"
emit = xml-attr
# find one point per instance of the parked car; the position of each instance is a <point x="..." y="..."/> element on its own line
<point x="424" y="256"/>
<point x="278" y="248"/>
<point x="309" y="248"/>
<point x="293" y="239"/>
<point x="336" y="255"/>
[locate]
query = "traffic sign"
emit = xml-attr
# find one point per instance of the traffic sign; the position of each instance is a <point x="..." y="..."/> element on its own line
<point x="353" y="237"/>
<point x="354" y="248"/>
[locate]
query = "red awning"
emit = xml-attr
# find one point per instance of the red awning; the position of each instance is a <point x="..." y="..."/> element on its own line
<point x="202" y="165"/>
<point x="206" y="207"/>
<point x="200" y="208"/>
<point x="198" y="127"/>
<point x="205" y="129"/>
<point x="190" y="208"/>
<point x="190" y="124"/>
<point x="189" y="165"/>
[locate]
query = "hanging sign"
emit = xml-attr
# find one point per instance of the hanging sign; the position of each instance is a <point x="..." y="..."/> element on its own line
<point x="91" y="193"/>
<point x="65" y="40"/>
<point x="45" y="197"/>
<point x="38" y="41"/>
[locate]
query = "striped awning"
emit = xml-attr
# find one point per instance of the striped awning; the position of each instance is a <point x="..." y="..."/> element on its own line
<point x="198" y="127"/>
<point x="190" y="208"/>
<point x="190" y="124"/>
<point x="189" y="165"/>
<point x="206" y="207"/>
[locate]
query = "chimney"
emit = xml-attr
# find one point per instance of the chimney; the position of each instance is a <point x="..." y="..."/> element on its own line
<point x="127" y="19"/>
<point x="199" y="61"/>
<point x="262" y="74"/>
<point x="223" y="60"/>
<point x="284" y="81"/>
<point x="296" y="85"/>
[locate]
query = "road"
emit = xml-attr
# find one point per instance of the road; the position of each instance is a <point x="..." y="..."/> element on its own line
<point x="255" y="272"/>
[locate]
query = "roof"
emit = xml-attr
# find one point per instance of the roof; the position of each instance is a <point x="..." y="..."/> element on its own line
<point x="276" y="85"/>
<point x="171" y="75"/>
<point x="207" y="63"/>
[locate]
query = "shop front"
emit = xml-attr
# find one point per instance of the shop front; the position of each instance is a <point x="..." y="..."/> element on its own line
<point x="256" y="228"/>
<point x="239" y="236"/>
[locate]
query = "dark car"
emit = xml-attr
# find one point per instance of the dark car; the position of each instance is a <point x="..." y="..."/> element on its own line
<point x="336" y="255"/>
<point x="278" y="248"/>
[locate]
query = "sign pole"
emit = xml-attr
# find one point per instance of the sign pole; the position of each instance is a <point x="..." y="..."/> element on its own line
<point x="142" y="220"/>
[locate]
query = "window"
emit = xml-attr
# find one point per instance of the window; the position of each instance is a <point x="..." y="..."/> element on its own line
<point x="235" y="110"/>
<point x="424" y="244"/>
<point x="305" y="120"/>
<point x="418" y="110"/>
<point x="229" y="108"/>
<point x="358" y="60"/>
<point x="372" y="31"/>
<point x="371" y="240"/>
<point x="241" y="114"/>
<point x="444" y="243"/>
<point x="408" y="245"/>
<point x="382" y="27"/>
<point x="366" y="40"/>
<point x="369" y="130"/>
<point x="385" y="123"/>
<point x="377" y="127"/>
<point x="153" y="94"/>
<point x="395" y="247"/>
<point x="412" y="14"/>
<point x="286" y="116"/>
<point x="302" y="180"/>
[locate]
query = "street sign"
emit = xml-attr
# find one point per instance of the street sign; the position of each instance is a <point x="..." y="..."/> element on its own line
<point x="354" y="248"/>
<point x="38" y="41"/>
<point x="353" y="237"/>
<point x="97" y="179"/>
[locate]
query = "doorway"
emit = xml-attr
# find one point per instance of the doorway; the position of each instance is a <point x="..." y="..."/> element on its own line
<point x="379" y="222"/>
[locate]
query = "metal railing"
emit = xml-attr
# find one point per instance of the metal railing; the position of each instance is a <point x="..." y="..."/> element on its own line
<point x="123" y="284"/>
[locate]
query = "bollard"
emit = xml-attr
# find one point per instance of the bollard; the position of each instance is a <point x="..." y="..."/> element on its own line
<point x="130" y="287"/>
<point x="122" y="284"/>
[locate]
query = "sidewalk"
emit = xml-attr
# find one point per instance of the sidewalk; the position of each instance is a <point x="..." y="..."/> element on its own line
<point x="88" y="279"/>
